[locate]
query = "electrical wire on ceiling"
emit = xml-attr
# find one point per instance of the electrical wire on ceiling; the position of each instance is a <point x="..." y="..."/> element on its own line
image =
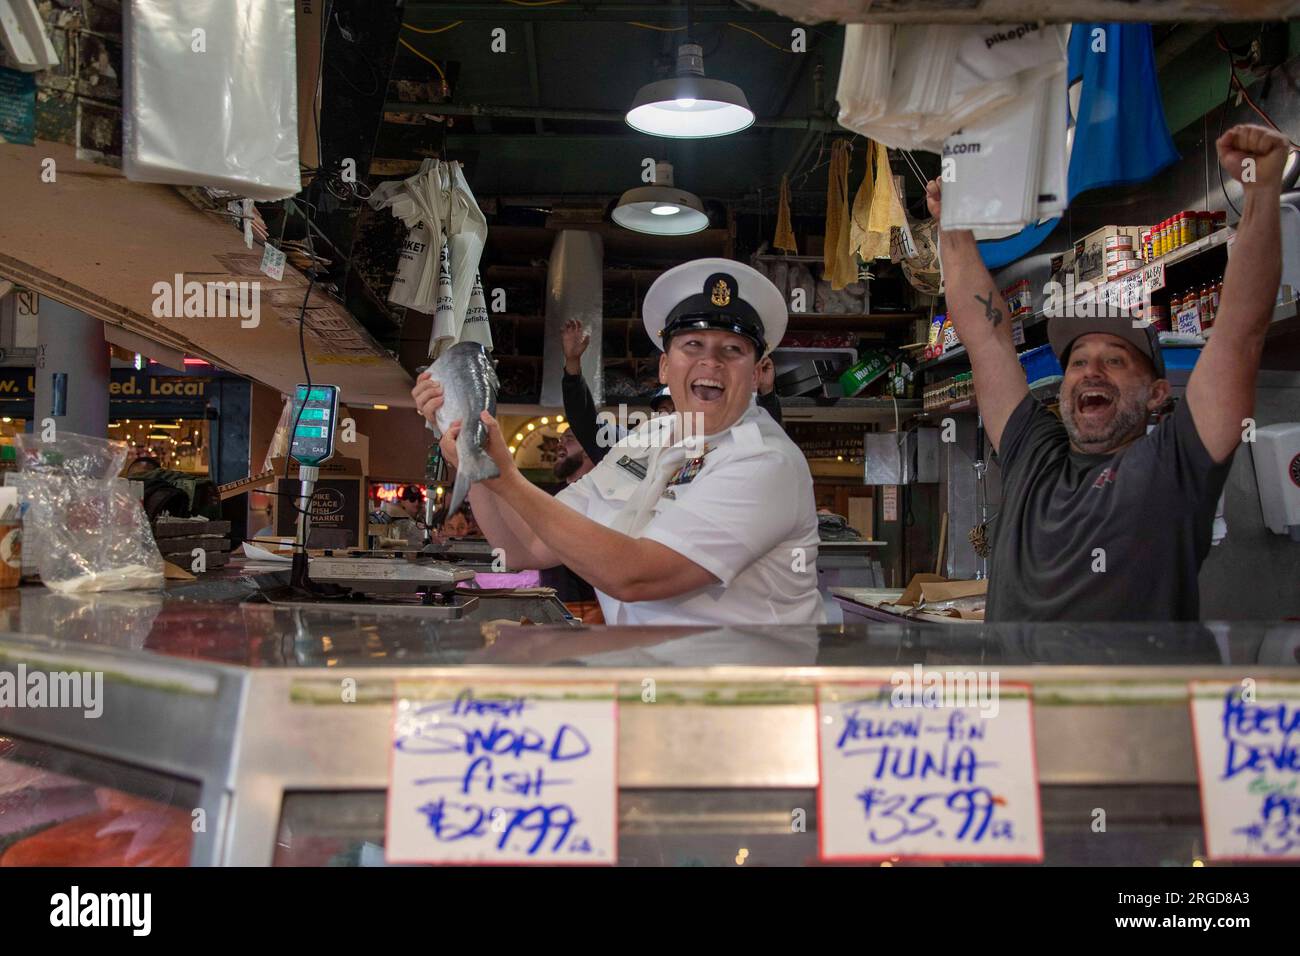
<point x="755" y="33"/>
<point x="651" y="26"/>
<point x="450" y="26"/>
<point x="1234" y="83"/>
<point x="433" y="63"/>
<point x="546" y="3"/>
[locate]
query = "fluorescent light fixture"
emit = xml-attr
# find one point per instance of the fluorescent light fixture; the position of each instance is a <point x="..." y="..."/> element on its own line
<point x="690" y="105"/>
<point x="661" y="209"/>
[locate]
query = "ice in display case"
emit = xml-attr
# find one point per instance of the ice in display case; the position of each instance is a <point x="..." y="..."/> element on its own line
<point x="223" y="737"/>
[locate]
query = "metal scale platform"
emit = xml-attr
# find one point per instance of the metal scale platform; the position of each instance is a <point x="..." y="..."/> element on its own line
<point x="413" y="583"/>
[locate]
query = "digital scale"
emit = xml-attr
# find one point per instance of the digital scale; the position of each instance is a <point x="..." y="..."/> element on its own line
<point x="424" y="581"/>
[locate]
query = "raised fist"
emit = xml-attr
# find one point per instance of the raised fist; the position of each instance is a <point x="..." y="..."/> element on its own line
<point x="1253" y="155"/>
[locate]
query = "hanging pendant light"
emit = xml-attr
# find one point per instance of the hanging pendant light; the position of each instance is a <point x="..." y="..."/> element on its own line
<point x="690" y="105"/>
<point x="661" y="209"/>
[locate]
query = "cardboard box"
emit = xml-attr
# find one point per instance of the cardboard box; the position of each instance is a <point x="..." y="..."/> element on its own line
<point x="339" y="506"/>
<point x="860" y="514"/>
<point x="1090" y="251"/>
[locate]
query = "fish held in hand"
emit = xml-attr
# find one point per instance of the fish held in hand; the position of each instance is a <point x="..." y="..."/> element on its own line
<point x="469" y="384"/>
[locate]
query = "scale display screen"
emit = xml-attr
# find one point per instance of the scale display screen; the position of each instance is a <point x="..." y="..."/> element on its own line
<point x="315" y="411"/>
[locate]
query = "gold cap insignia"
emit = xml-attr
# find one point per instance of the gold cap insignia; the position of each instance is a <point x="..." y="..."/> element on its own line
<point x="721" y="293"/>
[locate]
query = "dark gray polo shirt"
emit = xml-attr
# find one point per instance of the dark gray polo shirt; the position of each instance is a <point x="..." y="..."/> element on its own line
<point x="1101" y="537"/>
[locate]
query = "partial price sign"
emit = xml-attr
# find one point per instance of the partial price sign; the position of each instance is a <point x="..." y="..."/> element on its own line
<point x="1248" y="759"/>
<point x="273" y="262"/>
<point x="930" y="769"/>
<point x="498" y="773"/>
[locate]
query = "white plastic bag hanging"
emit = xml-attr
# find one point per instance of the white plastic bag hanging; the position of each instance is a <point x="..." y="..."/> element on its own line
<point x="1054" y="151"/>
<point x="477" y="328"/>
<point x="415" y="282"/>
<point x="466" y="232"/>
<point x="439" y="208"/>
<point x="225" y="115"/>
<point x="410" y="264"/>
<point x="993" y="179"/>
<point x="445" y="328"/>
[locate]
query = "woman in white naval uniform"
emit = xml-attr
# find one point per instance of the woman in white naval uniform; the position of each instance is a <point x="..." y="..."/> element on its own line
<point x="705" y="516"/>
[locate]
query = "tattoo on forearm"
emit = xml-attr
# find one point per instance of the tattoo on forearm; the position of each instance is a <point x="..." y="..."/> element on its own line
<point x="991" y="311"/>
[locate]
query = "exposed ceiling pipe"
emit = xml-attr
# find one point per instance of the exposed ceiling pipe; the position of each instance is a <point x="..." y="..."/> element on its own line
<point x="421" y="13"/>
<point x="596" y="116"/>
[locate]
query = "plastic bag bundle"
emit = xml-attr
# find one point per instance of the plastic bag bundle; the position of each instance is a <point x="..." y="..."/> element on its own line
<point x="439" y="209"/>
<point x="994" y="177"/>
<point x="913" y="86"/>
<point x="477" y="328"/>
<point x="210" y="95"/>
<point x="88" y="527"/>
<point x="865" y="73"/>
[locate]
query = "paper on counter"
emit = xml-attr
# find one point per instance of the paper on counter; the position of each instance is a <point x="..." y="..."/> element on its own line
<point x="256" y="552"/>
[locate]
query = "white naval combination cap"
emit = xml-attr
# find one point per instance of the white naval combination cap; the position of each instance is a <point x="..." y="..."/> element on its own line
<point x="715" y="294"/>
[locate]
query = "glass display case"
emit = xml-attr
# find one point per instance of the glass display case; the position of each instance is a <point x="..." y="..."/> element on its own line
<point x="222" y="735"/>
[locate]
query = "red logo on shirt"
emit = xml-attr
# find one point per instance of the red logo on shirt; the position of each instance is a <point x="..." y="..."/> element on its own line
<point x="1107" y="476"/>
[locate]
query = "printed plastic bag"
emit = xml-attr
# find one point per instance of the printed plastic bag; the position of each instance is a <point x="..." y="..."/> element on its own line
<point x="994" y="180"/>
<point x="88" y="526"/>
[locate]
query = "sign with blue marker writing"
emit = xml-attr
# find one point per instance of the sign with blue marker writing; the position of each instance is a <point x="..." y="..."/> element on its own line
<point x="935" y="765"/>
<point x="498" y="773"/>
<point x="1248" y="759"/>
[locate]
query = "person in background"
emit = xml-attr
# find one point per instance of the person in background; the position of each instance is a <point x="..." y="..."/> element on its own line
<point x="401" y="514"/>
<point x="573" y="591"/>
<point x="175" y="493"/>
<point x="574" y="462"/>
<point x="662" y="403"/>
<point x="142" y="465"/>
<point x="580" y="406"/>
<point x="1101" y="519"/>
<point x="457" y="525"/>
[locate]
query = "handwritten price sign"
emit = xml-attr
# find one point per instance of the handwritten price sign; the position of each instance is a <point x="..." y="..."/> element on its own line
<point x="503" y="774"/>
<point x="927" y="781"/>
<point x="1248" y="760"/>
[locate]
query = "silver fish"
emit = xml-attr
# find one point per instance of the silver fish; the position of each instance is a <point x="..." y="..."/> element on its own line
<point x="469" y="384"/>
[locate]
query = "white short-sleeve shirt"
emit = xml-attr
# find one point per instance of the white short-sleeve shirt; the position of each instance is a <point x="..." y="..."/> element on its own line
<point x="744" y="511"/>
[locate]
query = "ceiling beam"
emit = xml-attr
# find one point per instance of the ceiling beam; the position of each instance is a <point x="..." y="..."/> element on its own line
<point x="596" y="116"/>
<point x="429" y="12"/>
<point x="534" y="79"/>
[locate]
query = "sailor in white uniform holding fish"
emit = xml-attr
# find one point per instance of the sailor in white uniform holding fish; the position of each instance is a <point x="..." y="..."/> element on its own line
<point x="705" y="516"/>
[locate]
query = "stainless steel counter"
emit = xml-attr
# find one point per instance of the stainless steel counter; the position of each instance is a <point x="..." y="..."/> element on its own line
<point x="215" y="702"/>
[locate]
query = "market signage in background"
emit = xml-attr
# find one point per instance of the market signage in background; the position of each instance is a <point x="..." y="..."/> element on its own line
<point x="503" y="774"/>
<point x="17" y="107"/>
<point x="1247" y="737"/>
<point x="939" y="767"/>
<point x="19" y="384"/>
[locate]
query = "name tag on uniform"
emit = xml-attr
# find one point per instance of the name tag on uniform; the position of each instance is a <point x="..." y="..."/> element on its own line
<point x="634" y="468"/>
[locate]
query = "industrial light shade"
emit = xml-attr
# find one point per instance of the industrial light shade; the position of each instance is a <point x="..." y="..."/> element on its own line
<point x="661" y="209"/>
<point x="690" y="106"/>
